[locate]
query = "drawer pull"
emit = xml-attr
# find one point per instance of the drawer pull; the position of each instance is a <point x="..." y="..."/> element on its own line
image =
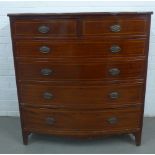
<point x="43" y="29"/>
<point x="44" y="49"/>
<point x="114" y="71"/>
<point x="112" y="120"/>
<point x="115" y="49"/>
<point x="48" y="95"/>
<point x="46" y="71"/>
<point x="115" y="28"/>
<point x="50" y="120"/>
<point x="114" y="95"/>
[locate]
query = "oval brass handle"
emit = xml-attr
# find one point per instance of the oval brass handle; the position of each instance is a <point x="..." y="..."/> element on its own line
<point x="50" y="120"/>
<point x="44" y="49"/>
<point x="115" y="28"/>
<point x="46" y="71"/>
<point x="114" y="71"/>
<point x="43" y="29"/>
<point x="48" y="95"/>
<point x="115" y="49"/>
<point x="112" y="120"/>
<point x="114" y="95"/>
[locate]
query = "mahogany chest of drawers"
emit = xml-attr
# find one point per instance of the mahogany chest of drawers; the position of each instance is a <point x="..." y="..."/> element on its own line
<point x="81" y="74"/>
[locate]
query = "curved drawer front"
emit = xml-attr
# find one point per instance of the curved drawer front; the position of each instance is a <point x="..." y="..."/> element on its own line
<point x="81" y="97"/>
<point x="112" y="70"/>
<point x="115" y="26"/>
<point x="92" y="49"/>
<point x="53" y="120"/>
<point x="45" y="28"/>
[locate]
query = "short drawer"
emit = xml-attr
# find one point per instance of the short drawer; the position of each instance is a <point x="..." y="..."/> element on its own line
<point x="115" y="26"/>
<point x="81" y="97"/>
<point x="53" y="120"/>
<point x="89" y="49"/>
<point x="108" y="70"/>
<point x="45" y="28"/>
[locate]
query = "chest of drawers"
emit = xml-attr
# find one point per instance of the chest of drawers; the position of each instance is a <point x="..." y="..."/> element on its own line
<point x="81" y="74"/>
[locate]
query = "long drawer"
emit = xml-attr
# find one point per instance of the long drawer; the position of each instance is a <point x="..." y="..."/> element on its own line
<point x="46" y="120"/>
<point x="77" y="70"/>
<point x="81" y="97"/>
<point x="93" y="49"/>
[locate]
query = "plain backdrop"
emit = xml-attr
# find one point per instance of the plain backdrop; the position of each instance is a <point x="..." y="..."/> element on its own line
<point x="8" y="94"/>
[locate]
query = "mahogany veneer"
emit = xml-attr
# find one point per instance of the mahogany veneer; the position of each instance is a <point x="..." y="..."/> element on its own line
<point x="81" y="74"/>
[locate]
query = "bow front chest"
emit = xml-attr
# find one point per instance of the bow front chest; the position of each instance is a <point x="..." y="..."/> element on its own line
<point x="81" y="74"/>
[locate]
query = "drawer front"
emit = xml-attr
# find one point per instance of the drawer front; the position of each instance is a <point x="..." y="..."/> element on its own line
<point x="45" y="28"/>
<point x="112" y="70"/>
<point x="81" y="97"/>
<point x="92" y="49"/>
<point x="52" y="120"/>
<point x="115" y="26"/>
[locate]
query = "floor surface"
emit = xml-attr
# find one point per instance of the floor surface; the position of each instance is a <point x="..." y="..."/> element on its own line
<point x="11" y="141"/>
